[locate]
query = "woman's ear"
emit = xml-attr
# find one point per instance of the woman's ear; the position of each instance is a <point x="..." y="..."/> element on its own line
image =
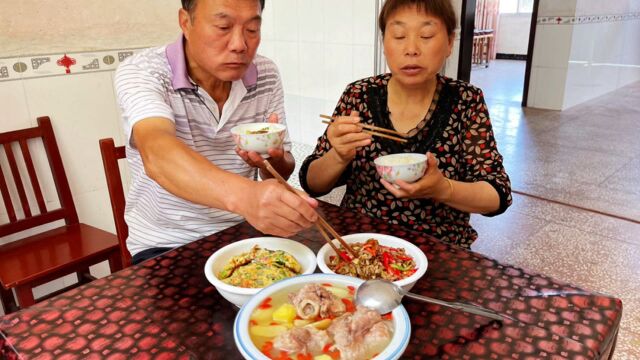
<point x="451" y="41"/>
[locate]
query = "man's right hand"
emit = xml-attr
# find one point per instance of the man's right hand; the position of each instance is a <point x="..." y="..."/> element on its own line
<point x="272" y="209"/>
<point x="346" y="136"/>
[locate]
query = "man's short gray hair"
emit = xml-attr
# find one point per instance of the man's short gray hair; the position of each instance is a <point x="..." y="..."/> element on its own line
<point x="189" y="5"/>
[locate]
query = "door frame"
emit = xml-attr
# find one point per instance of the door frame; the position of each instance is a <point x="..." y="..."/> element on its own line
<point x="467" y="24"/>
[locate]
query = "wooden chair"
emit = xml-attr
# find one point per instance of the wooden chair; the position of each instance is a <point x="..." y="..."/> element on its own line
<point x="37" y="259"/>
<point x="110" y="156"/>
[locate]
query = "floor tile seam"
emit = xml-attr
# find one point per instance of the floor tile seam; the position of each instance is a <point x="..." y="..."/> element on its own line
<point x="573" y="206"/>
<point x="589" y="231"/>
<point x="617" y="171"/>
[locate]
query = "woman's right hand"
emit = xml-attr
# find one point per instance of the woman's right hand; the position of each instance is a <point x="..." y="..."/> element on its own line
<point x="346" y="136"/>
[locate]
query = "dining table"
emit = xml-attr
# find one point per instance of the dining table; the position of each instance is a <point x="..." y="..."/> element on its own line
<point x="164" y="308"/>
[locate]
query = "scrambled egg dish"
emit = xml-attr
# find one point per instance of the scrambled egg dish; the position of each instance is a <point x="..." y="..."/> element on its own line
<point x="259" y="268"/>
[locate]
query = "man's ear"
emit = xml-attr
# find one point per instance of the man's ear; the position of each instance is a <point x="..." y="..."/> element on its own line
<point x="184" y="19"/>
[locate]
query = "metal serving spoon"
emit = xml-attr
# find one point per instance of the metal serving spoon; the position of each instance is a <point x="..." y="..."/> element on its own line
<point x="384" y="296"/>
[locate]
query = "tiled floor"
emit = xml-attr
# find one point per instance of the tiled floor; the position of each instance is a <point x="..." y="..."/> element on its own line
<point x="587" y="156"/>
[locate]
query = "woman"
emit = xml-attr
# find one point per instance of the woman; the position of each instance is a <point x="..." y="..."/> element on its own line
<point x="445" y="118"/>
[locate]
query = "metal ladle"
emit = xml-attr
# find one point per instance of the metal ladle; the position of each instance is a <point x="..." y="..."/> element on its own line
<point x="384" y="296"/>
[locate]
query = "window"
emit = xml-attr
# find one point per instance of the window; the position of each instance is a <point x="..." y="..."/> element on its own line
<point x="516" y="6"/>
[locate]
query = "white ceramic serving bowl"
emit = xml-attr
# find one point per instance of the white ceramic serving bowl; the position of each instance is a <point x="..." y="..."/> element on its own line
<point x="239" y="295"/>
<point x="387" y="240"/>
<point x="407" y="167"/>
<point x="401" y="323"/>
<point x="259" y="143"/>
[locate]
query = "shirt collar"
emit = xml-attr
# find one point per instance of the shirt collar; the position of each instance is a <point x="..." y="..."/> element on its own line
<point x="180" y="75"/>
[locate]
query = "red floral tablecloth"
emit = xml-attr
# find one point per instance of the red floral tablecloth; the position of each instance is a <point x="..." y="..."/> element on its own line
<point x="166" y="309"/>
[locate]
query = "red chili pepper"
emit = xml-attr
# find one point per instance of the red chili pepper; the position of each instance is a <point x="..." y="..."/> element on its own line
<point x="386" y="261"/>
<point x="404" y="258"/>
<point x="304" y="357"/>
<point x="387" y="316"/>
<point x="345" y="256"/>
<point x="326" y="348"/>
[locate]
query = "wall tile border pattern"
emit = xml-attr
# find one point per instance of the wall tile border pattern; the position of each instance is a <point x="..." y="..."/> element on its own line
<point x="63" y="64"/>
<point x="586" y="19"/>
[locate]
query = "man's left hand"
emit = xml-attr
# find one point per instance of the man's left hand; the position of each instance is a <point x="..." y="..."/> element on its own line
<point x="276" y="155"/>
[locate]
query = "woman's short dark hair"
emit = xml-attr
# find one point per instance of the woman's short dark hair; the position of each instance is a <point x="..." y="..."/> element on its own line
<point x="189" y="5"/>
<point x="442" y="9"/>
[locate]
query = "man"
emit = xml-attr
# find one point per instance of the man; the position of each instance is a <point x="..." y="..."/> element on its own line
<point x="178" y="104"/>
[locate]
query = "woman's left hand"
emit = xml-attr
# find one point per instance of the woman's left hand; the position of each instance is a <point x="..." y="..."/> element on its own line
<point x="433" y="185"/>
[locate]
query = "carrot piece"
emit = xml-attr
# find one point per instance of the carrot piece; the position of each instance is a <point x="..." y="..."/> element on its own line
<point x="349" y="304"/>
<point x="265" y="304"/>
<point x="266" y="348"/>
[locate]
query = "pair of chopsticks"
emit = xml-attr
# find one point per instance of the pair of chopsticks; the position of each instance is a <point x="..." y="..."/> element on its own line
<point x="373" y="130"/>
<point x="323" y="226"/>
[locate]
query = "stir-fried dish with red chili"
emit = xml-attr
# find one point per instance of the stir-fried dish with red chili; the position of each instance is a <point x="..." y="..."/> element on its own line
<point x="374" y="261"/>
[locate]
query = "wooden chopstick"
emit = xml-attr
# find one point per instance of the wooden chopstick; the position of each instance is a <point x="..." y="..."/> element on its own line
<point x="337" y="236"/>
<point x="327" y="238"/>
<point x="371" y="127"/>
<point x="374" y="133"/>
<point x="321" y="221"/>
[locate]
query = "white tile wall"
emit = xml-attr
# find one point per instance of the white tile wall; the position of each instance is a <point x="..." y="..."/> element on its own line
<point x="295" y="121"/>
<point x="82" y="109"/>
<point x="286" y="23"/>
<point x="552" y="46"/>
<point x="551" y="86"/>
<point x="364" y="14"/>
<point x="311" y="23"/>
<point x="338" y="19"/>
<point x="513" y="33"/>
<point x="451" y="65"/>
<point x="590" y="7"/>
<point x="604" y="56"/>
<point x="630" y="58"/>
<point x="338" y="73"/>
<point x="313" y="126"/>
<point x="333" y="42"/>
<point x="286" y="55"/>
<point x="312" y="69"/>
<point x="557" y="8"/>
<point x="594" y="57"/>
<point x="13" y="111"/>
<point x="362" y="61"/>
<point x="267" y="29"/>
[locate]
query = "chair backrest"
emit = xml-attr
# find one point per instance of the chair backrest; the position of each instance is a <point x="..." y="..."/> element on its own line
<point x="110" y="156"/>
<point x="67" y="210"/>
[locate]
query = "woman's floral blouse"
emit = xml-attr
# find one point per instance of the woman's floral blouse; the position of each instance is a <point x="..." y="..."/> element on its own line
<point x="456" y="129"/>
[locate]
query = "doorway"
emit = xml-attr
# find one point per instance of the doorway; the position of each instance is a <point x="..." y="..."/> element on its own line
<point x="497" y="47"/>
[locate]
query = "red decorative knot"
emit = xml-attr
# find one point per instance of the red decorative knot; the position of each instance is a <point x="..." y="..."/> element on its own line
<point x="66" y="62"/>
